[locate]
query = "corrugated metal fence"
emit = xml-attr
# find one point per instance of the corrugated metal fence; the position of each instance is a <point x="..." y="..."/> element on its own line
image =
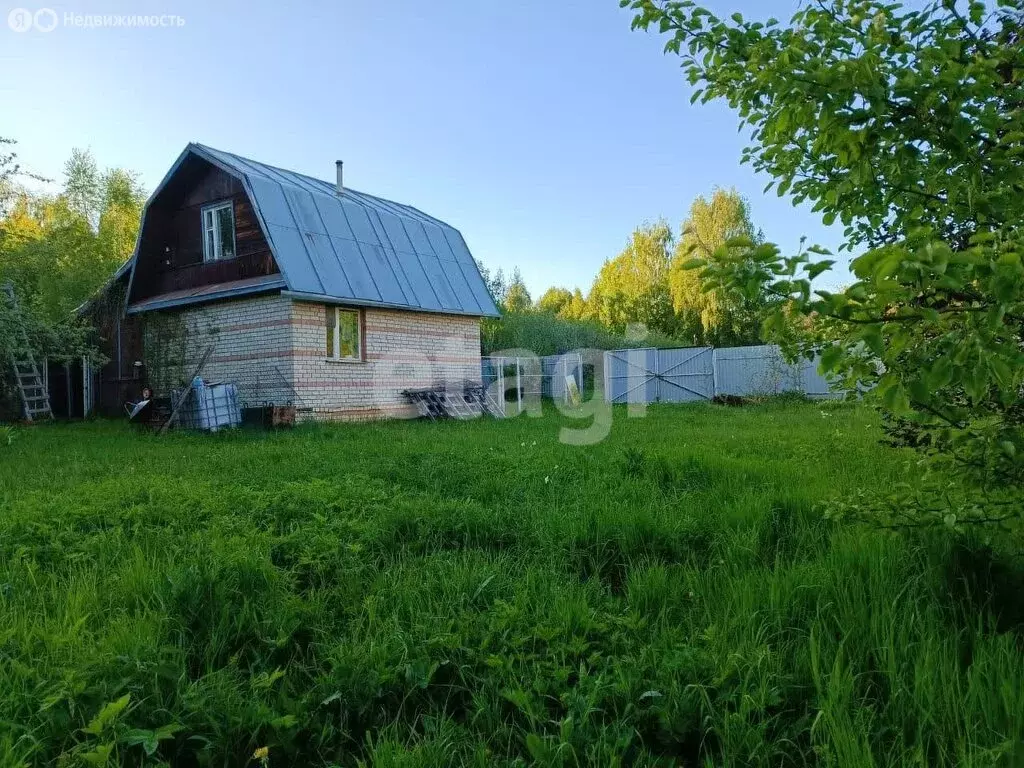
<point x="700" y="373"/>
<point x="659" y="375"/>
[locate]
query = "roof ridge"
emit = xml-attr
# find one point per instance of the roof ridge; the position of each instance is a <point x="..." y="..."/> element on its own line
<point x="307" y="177"/>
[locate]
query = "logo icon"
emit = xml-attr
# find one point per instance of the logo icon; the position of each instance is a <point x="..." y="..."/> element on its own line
<point x="20" y="19"/>
<point x="45" y="19"/>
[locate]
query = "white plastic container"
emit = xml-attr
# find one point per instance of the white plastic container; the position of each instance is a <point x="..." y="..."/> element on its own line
<point x="211" y="407"/>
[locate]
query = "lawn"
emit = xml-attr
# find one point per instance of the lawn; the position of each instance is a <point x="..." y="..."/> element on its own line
<point x="481" y="593"/>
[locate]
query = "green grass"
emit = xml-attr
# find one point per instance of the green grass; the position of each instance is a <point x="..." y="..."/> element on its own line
<point x="479" y="593"/>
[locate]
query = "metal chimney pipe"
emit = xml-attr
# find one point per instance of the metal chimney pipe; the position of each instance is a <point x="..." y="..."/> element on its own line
<point x="340" y="189"/>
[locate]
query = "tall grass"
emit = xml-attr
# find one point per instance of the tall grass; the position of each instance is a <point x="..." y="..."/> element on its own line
<point x="546" y="334"/>
<point x="478" y="593"/>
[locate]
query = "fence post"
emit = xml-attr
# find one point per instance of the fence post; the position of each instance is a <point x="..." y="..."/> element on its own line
<point x="636" y="385"/>
<point x="519" y="387"/>
<point x="714" y="372"/>
<point x="604" y="378"/>
<point x="577" y="374"/>
<point x="501" y="382"/>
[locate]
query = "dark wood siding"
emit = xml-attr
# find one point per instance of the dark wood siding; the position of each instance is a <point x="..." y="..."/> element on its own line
<point x="119" y="339"/>
<point x="171" y="249"/>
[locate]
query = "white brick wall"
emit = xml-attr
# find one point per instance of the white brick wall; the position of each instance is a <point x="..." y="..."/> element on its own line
<point x="252" y="348"/>
<point x="402" y="350"/>
<point x="274" y="350"/>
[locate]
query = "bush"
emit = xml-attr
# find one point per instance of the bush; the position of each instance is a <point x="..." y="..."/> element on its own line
<point x="547" y="334"/>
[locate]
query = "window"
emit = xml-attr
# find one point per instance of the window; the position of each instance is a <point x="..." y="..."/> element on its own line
<point x="219" y="231"/>
<point x="344" y="334"/>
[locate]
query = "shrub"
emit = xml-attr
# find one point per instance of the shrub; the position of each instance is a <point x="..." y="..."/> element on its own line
<point x="547" y="334"/>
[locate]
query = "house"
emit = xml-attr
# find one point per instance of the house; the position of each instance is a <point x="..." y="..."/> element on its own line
<point x="304" y="291"/>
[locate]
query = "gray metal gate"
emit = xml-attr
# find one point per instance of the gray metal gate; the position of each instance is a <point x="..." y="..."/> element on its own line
<point x="659" y="375"/>
<point x="699" y="373"/>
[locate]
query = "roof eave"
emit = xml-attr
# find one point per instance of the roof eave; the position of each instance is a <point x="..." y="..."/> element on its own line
<point x="88" y="304"/>
<point x="156" y="305"/>
<point x="345" y="301"/>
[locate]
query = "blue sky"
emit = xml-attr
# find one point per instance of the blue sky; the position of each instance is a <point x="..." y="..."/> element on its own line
<point x="545" y="130"/>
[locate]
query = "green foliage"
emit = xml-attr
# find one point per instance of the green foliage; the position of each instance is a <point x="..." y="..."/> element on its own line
<point x="82" y="192"/>
<point x="479" y="593"/>
<point x="647" y="286"/>
<point x="517" y="297"/>
<point x="577" y="308"/>
<point x="713" y="317"/>
<point x="547" y="334"/>
<point x="645" y="291"/>
<point x="68" y="340"/>
<point x="554" y="300"/>
<point x="10" y="172"/>
<point x="908" y="127"/>
<point x="167" y="338"/>
<point x="59" y="250"/>
<point x="496" y="283"/>
<point x="560" y="321"/>
<point x="633" y="287"/>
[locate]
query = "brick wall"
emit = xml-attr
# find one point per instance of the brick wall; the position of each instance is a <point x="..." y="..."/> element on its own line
<point x="402" y="350"/>
<point x="252" y="340"/>
<point x="274" y="350"/>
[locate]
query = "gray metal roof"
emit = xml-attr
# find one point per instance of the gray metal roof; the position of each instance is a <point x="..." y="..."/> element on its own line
<point x="356" y="247"/>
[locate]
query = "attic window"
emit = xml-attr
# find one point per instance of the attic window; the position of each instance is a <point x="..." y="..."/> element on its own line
<point x="219" y="231"/>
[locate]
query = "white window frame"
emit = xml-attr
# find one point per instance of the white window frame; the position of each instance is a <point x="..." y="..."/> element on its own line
<point x="336" y="312"/>
<point x="214" y="228"/>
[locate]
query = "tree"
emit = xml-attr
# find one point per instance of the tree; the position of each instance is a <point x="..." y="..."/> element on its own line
<point x="517" y="297"/>
<point x="577" y="308"/>
<point x="82" y="185"/>
<point x="496" y="283"/>
<point x="713" y="316"/>
<point x="10" y="170"/>
<point x="907" y="126"/>
<point x="554" y="300"/>
<point x="58" y="250"/>
<point x="633" y="287"/>
<point x="122" y="198"/>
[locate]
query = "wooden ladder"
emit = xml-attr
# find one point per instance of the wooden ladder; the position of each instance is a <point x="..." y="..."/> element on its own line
<point x="35" y="400"/>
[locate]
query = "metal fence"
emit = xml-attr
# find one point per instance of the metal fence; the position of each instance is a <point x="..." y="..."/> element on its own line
<point x="512" y="380"/>
<point x="762" y="370"/>
<point x="650" y="375"/>
<point x="556" y="371"/>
